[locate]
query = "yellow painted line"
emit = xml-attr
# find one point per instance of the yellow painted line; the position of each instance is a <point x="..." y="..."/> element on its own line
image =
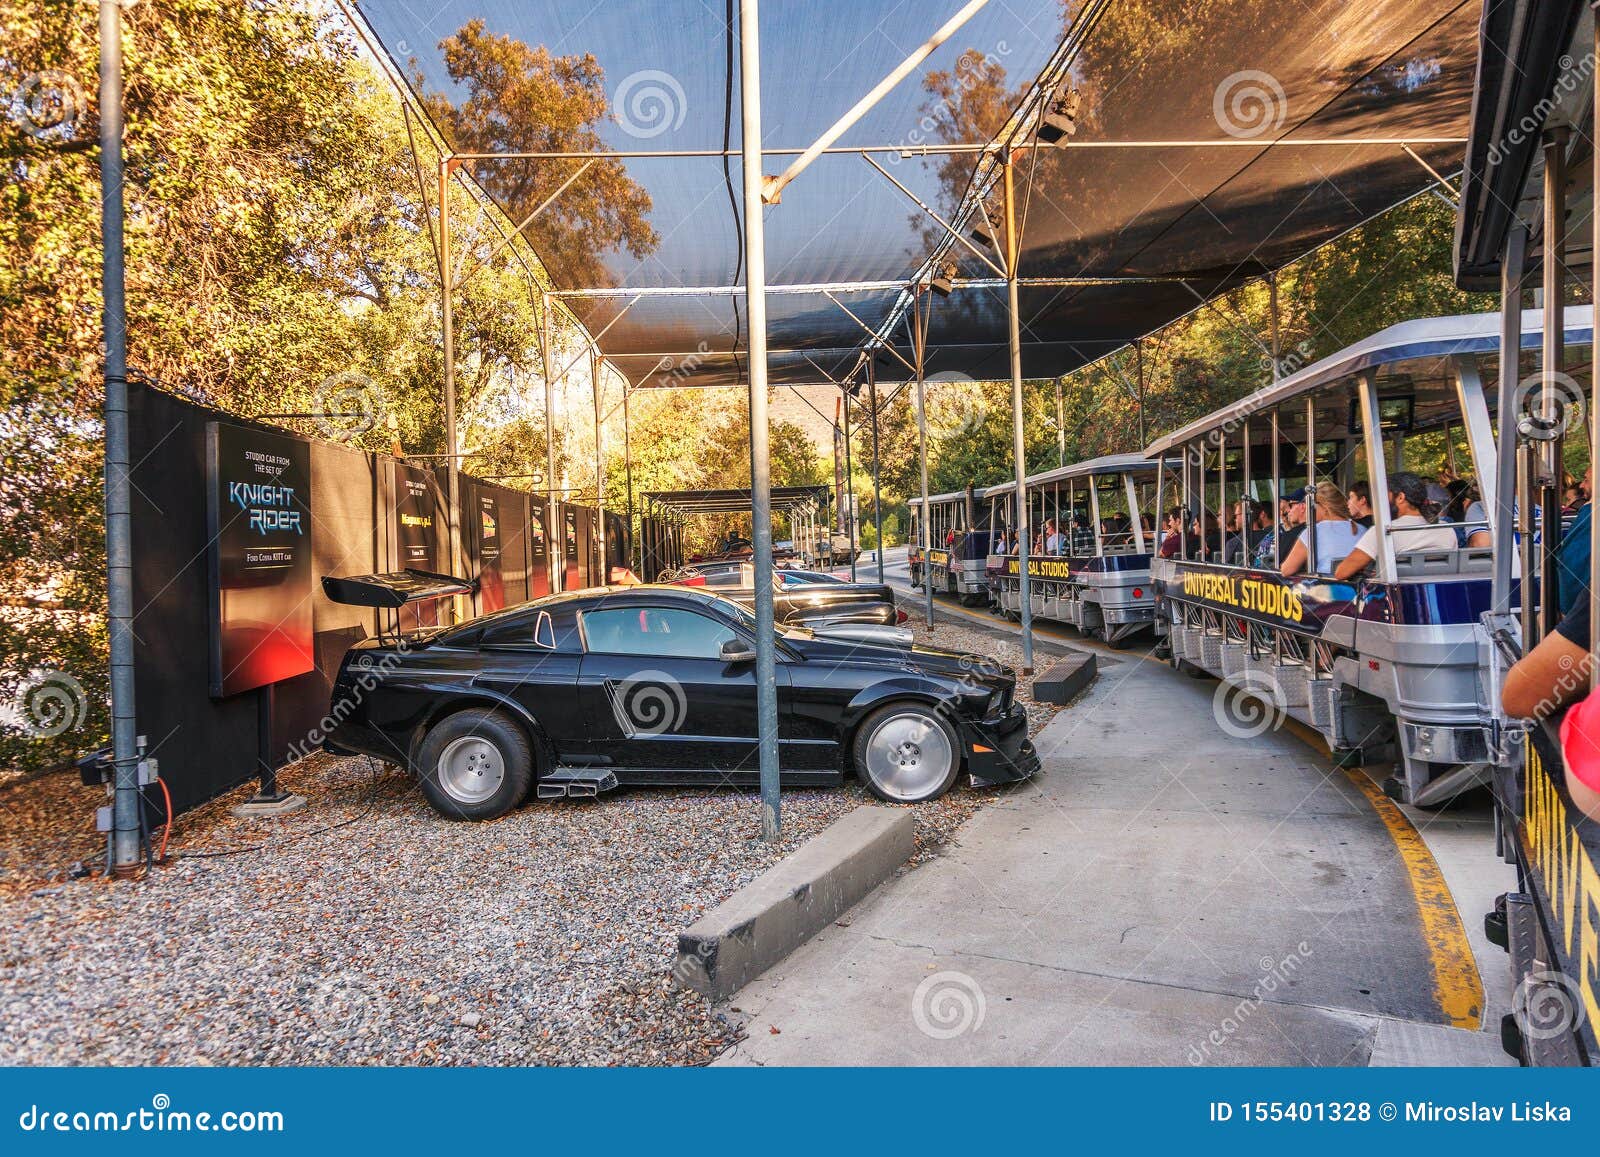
<point x="1455" y="971"/>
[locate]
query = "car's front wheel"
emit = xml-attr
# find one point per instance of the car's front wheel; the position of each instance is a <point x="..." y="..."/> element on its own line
<point x="906" y="753"/>
<point x="475" y="765"/>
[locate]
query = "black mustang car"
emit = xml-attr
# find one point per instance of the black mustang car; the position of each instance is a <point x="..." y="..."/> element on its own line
<point x="577" y="693"/>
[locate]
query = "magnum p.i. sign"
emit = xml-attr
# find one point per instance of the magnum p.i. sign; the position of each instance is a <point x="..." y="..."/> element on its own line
<point x="259" y="521"/>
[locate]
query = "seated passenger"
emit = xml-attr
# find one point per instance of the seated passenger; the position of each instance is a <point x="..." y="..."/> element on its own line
<point x="1407" y="494"/>
<point x="1292" y="517"/>
<point x="1360" y="503"/>
<point x="1052" y="537"/>
<point x="1335" y="534"/>
<point x="1572" y="556"/>
<point x="1082" y="540"/>
<point x="1546" y="679"/>
<point x="1463" y="508"/>
<point x="1172" y="538"/>
<point x="1580" y="751"/>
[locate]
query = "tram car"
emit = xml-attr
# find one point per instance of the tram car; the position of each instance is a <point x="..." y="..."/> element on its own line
<point x="1389" y="664"/>
<point x="959" y="533"/>
<point x="1094" y="526"/>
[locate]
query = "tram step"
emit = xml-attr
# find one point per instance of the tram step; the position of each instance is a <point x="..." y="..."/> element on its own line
<point x="1066" y="680"/>
<point x="1494" y="924"/>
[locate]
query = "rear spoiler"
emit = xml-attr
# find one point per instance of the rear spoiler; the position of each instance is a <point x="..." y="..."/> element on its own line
<point x="395" y="589"/>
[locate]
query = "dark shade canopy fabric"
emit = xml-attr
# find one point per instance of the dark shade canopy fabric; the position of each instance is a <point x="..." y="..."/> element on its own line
<point x="1244" y="80"/>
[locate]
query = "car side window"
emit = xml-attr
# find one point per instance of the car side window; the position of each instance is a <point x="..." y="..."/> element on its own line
<point x="654" y="631"/>
<point x="540" y="632"/>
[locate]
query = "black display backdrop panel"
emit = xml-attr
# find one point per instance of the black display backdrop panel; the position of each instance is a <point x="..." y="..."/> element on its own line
<point x="205" y="746"/>
<point x="415" y="512"/>
<point x="513" y="544"/>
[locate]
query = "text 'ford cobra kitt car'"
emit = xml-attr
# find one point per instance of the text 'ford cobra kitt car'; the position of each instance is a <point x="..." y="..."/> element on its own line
<point x="578" y="693"/>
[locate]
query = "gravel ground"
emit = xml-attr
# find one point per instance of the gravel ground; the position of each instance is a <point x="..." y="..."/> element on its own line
<point x="365" y="929"/>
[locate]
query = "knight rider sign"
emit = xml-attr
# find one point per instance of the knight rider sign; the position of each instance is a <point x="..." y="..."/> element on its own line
<point x="259" y="509"/>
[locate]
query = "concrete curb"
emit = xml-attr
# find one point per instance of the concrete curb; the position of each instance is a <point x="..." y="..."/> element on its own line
<point x="773" y="915"/>
<point x="1067" y="679"/>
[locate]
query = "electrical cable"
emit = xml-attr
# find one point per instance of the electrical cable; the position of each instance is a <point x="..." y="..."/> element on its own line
<point x="370" y="805"/>
<point x="166" y="829"/>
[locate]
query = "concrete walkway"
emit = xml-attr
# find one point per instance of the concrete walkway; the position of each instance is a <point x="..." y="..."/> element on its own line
<point x="1163" y="894"/>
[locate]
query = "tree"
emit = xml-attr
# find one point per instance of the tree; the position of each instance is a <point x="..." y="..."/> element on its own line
<point x="524" y="99"/>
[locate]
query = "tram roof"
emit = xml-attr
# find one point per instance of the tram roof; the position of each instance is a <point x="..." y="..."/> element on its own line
<point x="1105" y="464"/>
<point x="1430" y="337"/>
<point x="951" y="496"/>
<point x="1210" y="150"/>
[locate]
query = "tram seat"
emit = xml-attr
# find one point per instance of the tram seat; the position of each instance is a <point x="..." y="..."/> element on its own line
<point x="1464" y="560"/>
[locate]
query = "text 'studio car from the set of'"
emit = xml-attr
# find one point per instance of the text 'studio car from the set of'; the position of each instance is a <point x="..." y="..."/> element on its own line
<point x="578" y="693"/>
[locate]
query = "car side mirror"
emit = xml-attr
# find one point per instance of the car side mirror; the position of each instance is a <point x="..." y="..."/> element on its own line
<point x="737" y="651"/>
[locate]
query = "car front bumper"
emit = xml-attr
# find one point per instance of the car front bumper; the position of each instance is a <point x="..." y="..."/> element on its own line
<point x="998" y="749"/>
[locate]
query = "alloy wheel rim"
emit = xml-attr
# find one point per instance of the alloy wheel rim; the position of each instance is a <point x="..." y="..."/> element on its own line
<point x="471" y="769"/>
<point x="908" y="756"/>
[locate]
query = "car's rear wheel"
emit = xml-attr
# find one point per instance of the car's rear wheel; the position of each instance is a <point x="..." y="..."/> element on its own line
<point x="906" y="753"/>
<point x="475" y="765"/>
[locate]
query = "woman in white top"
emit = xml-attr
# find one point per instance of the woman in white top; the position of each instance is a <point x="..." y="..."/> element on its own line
<point x="1410" y="529"/>
<point x="1335" y="534"/>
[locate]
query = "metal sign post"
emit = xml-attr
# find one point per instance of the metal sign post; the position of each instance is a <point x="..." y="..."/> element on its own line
<point x="919" y="341"/>
<point x="755" y="246"/>
<point x="1019" y="447"/>
<point x="122" y="852"/>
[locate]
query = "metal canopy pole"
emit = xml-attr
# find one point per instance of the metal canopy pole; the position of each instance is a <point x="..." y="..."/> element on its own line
<point x="1061" y="433"/>
<point x="545" y="336"/>
<point x="599" y="470"/>
<point x="849" y="485"/>
<point x="877" y="497"/>
<point x="1019" y="448"/>
<point x="918" y="348"/>
<point x="452" y="457"/>
<point x="122" y="849"/>
<point x="1551" y="372"/>
<point x="627" y="469"/>
<point x="755" y="248"/>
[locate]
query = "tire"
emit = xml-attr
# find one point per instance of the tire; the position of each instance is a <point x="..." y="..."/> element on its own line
<point x="475" y="765"/>
<point x="906" y="753"/>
